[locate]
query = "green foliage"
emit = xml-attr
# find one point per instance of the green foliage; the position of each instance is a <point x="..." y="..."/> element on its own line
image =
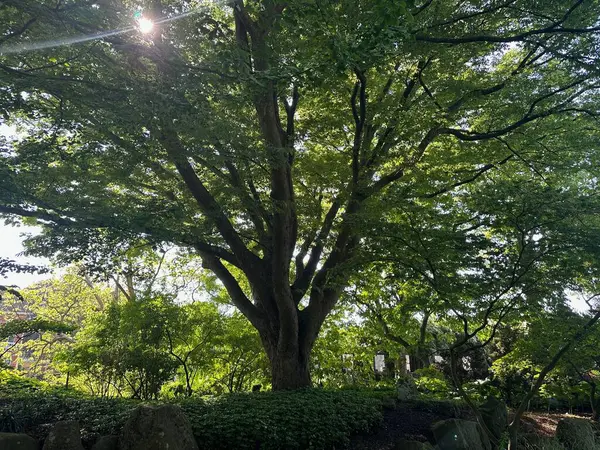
<point x="136" y="347"/>
<point x="13" y="327"/>
<point x="235" y="362"/>
<point x="57" y="310"/>
<point x="12" y="384"/>
<point x="7" y="266"/>
<point x="310" y="419"/>
<point x="572" y="382"/>
<point x="27" y="405"/>
<point x="343" y="354"/>
<point x="479" y="390"/>
<point x="126" y="349"/>
<point x="456" y="408"/>
<point x="432" y="383"/>
<point x="316" y="419"/>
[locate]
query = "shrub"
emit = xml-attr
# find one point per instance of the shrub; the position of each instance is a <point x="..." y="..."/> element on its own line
<point x="432" y="383"/>
<point x="309" y="419"/>
<point x="28" y="405"/>
<point x="479" y="390"/>
<point x="442" y="408"/>
<point x="12" y="384"/>
<point x="96" y="416"/>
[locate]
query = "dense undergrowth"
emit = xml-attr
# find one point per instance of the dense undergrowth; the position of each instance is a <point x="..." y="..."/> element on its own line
<point x="309" y="419"/>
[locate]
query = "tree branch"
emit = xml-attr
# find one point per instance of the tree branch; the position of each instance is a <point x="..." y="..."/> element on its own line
<point x="239" y="299"/>
<point x="302" y="283"/>
<point x="478" y="173"/>
<point x="553" y="28"/>
<point x="208" y="205"/>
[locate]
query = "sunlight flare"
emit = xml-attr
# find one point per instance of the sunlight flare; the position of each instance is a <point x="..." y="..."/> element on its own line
<point x="145" y="25"/>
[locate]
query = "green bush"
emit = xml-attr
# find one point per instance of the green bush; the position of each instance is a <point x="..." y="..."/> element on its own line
<point x="479" y="390"/>
<point x="12" y="384"/>
<point x="309" y="419"/>
<point x="95" y="415"/>
<point x="432" y="383"/>
<point x="28" y="405"/>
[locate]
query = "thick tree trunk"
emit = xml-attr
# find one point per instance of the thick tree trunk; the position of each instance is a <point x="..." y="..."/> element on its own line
<point x="289" y="362"/>
<point x="289" y="371"/>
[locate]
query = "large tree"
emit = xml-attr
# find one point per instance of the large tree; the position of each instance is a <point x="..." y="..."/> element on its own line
<point x="258" y="133"/>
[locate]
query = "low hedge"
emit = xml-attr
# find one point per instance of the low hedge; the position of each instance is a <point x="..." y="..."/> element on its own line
<point x="30" y="406"/>
<point x="307" y="419"/>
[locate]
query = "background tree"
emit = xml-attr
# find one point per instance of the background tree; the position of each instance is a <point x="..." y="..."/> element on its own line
<point x="399" y="309"/>
<point x="69" y="299"/>
<point x="19" y="322"/>
<point x="10" y="266"/>
<point x="129" y="347"/>
<point x="239" y="362"/>
<point x="344" y="353"/>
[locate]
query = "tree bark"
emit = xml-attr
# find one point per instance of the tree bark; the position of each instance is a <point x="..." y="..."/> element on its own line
<point x="290" y="371"/>
<point x="288" y="350"/>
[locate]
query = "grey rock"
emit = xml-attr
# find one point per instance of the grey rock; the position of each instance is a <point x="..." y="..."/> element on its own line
<point x="64" y="435"/>
<point x="575" y="434"/>
<point x="457" y="434"/>
<point x="157" y="428"/>
<point x="107" y="443"/>
<point x="17" y="441"/>
<point x="406" y="389"/>
<point x="495" y="416"/>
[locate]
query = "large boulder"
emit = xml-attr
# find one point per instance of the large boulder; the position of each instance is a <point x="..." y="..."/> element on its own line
<point x="457" y="434"/>
<point x="16" y="441"/>
<point x="106" y="443"/>
<point x="64" y="435"/>
<point x="495" y="416"/>
<point x="575" y="434"/>
<point x="157" y="428"/>
<point x="405" y="444"/>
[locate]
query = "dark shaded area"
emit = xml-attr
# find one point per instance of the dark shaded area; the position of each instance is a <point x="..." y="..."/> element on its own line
<point x="410" y="421"/>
